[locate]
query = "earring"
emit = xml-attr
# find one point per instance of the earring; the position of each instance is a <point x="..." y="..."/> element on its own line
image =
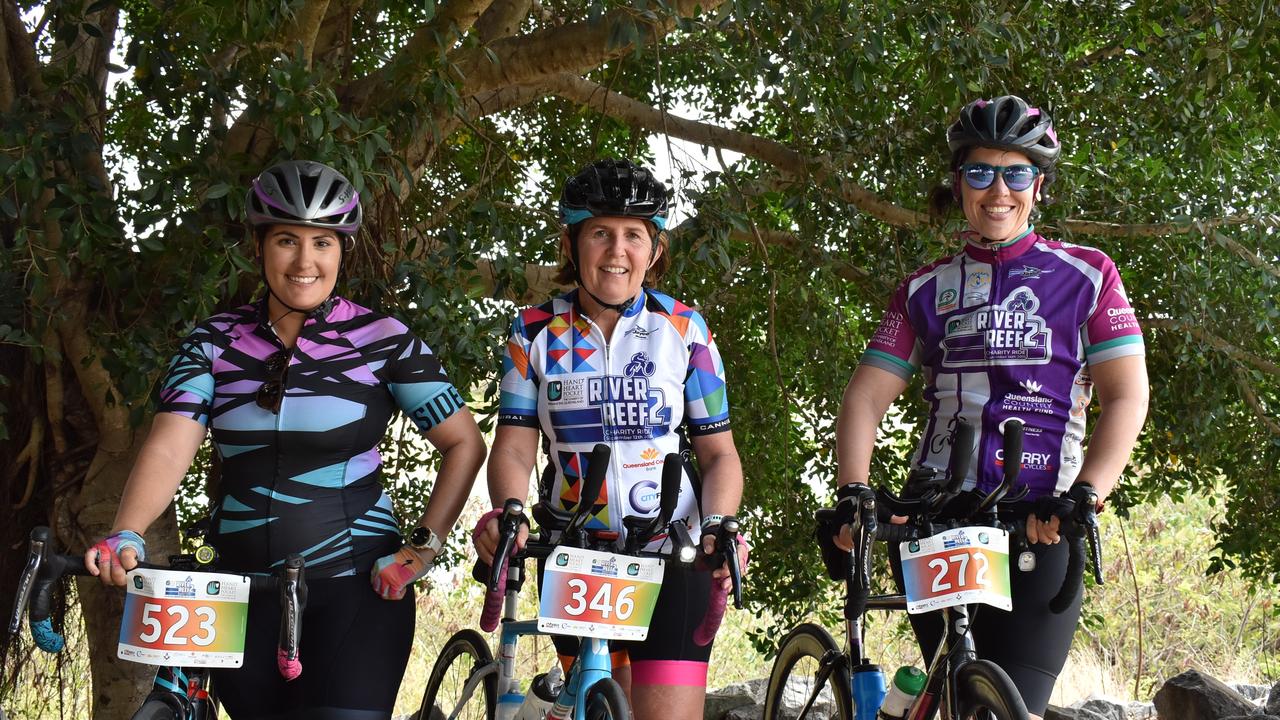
<point x="1037" y="196"/>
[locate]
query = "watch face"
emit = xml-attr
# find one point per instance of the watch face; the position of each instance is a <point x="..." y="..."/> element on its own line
<point x="423" y="538"/>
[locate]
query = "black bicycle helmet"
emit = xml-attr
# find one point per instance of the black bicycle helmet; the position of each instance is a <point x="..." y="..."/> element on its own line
<point x="1006" y="123"/>
<point x="301" y="192"/>
<point x="614" y="188"/>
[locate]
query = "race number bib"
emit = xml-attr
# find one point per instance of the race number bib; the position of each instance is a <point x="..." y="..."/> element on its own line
<point x="194" y="619"/>
<point x="957" y="567"/>
<point x="598" y="594"/>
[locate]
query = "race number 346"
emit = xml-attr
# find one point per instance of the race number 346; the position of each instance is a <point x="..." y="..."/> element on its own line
<point x="610" y="605"/>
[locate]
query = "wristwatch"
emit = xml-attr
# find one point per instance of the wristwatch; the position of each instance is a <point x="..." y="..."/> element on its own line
<point x="424" y="538"/>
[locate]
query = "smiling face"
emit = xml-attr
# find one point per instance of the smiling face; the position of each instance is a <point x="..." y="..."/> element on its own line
<point x="997" y="213"/>
<point x="300" y="264"/>
<point x="614" y="254"/>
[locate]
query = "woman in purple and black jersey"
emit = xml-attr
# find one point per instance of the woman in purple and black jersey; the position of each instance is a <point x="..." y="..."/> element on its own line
<point x="615" y="361"/>
<point x="297" y="390"/>
<point x="1013" y="326"/>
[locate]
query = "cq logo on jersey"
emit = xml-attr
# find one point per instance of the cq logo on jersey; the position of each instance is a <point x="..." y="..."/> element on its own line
<point x="645" y="496"/>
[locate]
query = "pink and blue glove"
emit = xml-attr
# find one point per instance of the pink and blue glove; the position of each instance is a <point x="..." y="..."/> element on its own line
<point x="393" y="574"/>
<point x="112" y="545"/>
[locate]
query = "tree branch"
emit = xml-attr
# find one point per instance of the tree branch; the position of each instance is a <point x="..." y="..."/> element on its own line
<point x="1249" y="256"/>
<point x="305" y="27"/>
<point x="1149" y="230"/>
<point x="22" y="52"/>
<point x="1251" y="399"/>
<point x="502" y="19"/>
<point x="799" y="165"/>
<point x="570" y="48"/>
<point x="1217" y="343"/>
<point x="420" y="54"/>
<point x="781" y="157"/>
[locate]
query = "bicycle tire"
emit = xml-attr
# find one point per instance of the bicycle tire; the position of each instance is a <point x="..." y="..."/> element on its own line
<point x="465" y="653"/>
<point x="607" y="701"/>
<point x="985" y="692"/>
<point x="808" y="667"/>
<point x="155" y="709"/>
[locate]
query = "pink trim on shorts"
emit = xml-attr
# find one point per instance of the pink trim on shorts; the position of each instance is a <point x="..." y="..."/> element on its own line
<point x="669" y="672"/>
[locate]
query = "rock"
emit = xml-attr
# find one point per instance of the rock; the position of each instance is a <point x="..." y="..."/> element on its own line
<point x="1099" y="707"/>
<point x="1253" y="692"/>
<point x="720" y="702"/>
<point x="1196" y="696"/>
<point x="1091" y="709"/>
<point x="746" y="712"/>
<point x="1273" y="700"/>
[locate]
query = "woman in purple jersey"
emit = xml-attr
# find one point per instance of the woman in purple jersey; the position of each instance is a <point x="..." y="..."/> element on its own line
<point x="1014" y="325"/>
<point x="296" y="392"/>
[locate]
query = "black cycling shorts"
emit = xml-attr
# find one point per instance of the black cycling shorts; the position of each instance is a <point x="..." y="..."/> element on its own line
<point x="1030" y="643"/>
<point x="354" y="649"/>
<point x="668" y="656"/>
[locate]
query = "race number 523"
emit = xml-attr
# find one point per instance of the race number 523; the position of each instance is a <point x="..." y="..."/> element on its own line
<point x="194" y="619"/>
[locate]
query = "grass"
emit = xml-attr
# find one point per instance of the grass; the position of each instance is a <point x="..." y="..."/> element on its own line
<point x="1219" y="624"/>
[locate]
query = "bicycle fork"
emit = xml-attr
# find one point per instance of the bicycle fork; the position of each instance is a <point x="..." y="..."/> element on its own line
<point x="954" y="650"/>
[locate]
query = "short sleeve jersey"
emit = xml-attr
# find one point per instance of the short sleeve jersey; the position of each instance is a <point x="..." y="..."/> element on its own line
<point x="657" y="381"/>
<point x="305" y="479"/>
<point x="1009" y="332"/>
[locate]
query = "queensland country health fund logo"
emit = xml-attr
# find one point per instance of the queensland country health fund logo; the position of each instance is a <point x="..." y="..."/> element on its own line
<point x="630" y="407"/>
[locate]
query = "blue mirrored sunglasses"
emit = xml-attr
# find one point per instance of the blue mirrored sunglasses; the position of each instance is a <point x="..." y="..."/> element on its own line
<point x="979" y="176"/>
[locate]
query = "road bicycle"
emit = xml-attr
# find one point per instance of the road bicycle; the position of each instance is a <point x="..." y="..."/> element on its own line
<point x="186" y="609"/>
<point x="812" y="679"/>
<point x="467" y="681"/>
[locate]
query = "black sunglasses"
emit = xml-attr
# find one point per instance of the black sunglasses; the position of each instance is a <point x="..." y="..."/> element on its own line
<point x="271" y="392"/>
<point x="980" y="176"/>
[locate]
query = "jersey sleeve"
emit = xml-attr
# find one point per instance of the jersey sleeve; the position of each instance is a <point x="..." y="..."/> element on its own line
<point x="518" y="404"/>
<point x="895" y="346"/>
<point x="1112" y="330"/>
<point x="419" y="384"/>
<point x="187" y="389"/>
<point x="706" y="402"/>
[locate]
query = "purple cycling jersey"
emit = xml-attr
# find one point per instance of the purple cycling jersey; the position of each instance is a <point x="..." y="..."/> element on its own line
<point x="1003" y="333"/>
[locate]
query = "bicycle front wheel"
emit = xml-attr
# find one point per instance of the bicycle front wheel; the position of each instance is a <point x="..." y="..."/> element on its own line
<point x="810" y="678"/>
<point x="455" y="690"/>
<point x="985" y="692"/>
<point x="607" y="701"/>
<point x="160" y="709"/>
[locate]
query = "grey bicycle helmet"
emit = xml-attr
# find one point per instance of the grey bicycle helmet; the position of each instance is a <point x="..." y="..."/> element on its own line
<point x="302" y="192"/>
<point x="614" y="188"/>
<point x="1006" y="123"/>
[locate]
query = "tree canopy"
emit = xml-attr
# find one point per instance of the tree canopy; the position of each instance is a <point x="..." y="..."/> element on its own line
<point x="129" y="132"/>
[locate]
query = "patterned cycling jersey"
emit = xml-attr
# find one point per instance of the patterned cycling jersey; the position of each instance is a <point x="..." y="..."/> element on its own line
<point x="658" y="379"/>
<point x="306" y="479"/>
<point x="1009" y="332"/>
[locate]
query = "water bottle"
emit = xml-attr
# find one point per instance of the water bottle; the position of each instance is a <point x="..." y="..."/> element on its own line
<point x="907" y="684"/>
<point x="868" y="691"/>
<point x="542" y="693"/>
<point x="509" y="703"/>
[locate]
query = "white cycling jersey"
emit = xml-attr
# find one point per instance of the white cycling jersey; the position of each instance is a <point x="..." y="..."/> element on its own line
<point x="656" y="382"/>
